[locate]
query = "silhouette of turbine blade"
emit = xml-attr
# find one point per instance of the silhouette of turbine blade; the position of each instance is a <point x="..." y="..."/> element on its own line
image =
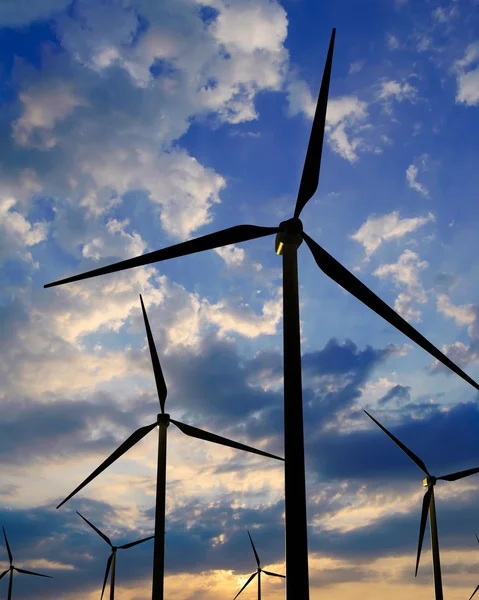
<point x="32" y="573"/>
<point x="8" y="547"/>
<point x="474" y="592"/>
<point x="335" y="270"/>
<point x="217" y="439"/>
<point x="131" y="544"/>
<point x="160" y="380"/>
<point x="404" y="448"/>
<point x="422" y="527"/>
<point x="477" y="538"/>
<point x="254" y="549"/>
<point x="312" y="164"/>
<point x="107" y="570"/>
<point x="225" y="237"/>
<point x="273" y="574"/>
<point x="129" y="443"/>
<point x="100" y="533"/>
<point x="4" y="573"/>
<point x="459" y="474"/>
<point x="247" y="583"/>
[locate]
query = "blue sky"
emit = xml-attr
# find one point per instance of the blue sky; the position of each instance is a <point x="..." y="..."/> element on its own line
<point x="130" y="126"/>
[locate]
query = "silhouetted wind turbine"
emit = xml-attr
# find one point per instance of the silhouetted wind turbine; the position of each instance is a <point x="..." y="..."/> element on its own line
<point x="258" y="573"/>
<point x="289" y="236"/>
<point x="12" y="568"/>
<point x="162" y="422"/>
<point x="112" y="558"/>
<point x="477" y="588"/>
<point x="428" y="504"/>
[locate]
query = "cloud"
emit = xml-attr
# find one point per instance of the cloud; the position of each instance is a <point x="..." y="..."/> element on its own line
<point x="10" y="16"/>
<point x="468" y="76"/>
<point x="411" y="175"/>
<point x="406" y="273"/>
<point x="377" y="230"/>
<point x="232" y="255"/>
<point x="392" y="42"/>
<point x="17" y="233"/>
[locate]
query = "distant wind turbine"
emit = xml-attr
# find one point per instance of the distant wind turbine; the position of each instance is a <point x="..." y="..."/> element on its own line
<point x="112" y="558"/>
<point x="428" y="504"/>
<point x="289" y="236"/>
<point x="477" y="588"/>
<point x="162" y="422"/>
<point x="258" y="573"/>
<point x="12" y="568"/>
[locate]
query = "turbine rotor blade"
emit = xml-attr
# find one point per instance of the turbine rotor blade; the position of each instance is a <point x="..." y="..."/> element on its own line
<point x="131" y="544"/>
<point x="8" y="547"/>
<point x="155" y="361"/>
<point x="248" y="582"/>
<point x="225" y="237"/>
<point x="477" y="538"/>
<point x="459" y="474"/>
<point x="100" y="533"/>
<point x="474" y="592"/>
<point x="217" y="439"/>
<point x="335" y="270"/>
<point x="411" y="454"/>
<point x="273" y="574"/>
<point x="425" y="507"/>
<point x="254" y="550"/>
<point x="129" y="443"/>
<point x="4" y="573"/>
<point x="32" y="573"/>
<point x="107" y="570"/>
<point x="312" y="164"/>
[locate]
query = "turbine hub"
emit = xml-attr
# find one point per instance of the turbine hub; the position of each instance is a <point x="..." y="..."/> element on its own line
<point x="163" y="419"/>
<point x="289" y="233"/>
<point x="429" y="481"/>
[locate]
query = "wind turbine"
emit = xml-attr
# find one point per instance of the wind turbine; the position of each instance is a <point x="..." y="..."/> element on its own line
<point x="289" y="236"/>
<point x="112" y="558"/>
<point x="258" y="572"/>
<point x="477" y="588"/>
<point x="12" y="568"/>
<point x="428" y="504"/>
<point x="162" y="422"/>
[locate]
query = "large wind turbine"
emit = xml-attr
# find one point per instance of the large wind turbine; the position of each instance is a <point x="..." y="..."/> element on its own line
<point x="289" y="236"/>
<point x="12" y="568"/>
<point x="111" y="562"/>
<point x="162" y="422"/>
<point x="428" y="504"/>
<point x="258" y="572"/>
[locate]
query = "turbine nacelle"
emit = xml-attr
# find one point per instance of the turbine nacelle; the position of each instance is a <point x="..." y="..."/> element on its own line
<point x="163" y="419"/>
<point x="429" y="481"/>
<point x="290" y="232"/>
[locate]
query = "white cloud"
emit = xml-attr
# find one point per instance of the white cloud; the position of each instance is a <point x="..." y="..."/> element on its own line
<point x="355" y="67"/>
<point x="392" y="42"/>
<point x="232" y="255"/>
<point x="344" y="117"/>
<point x="463" y="315"/>
<point x="459" y="353"/>
<point x="377" y="230"/>
<point x="406" y="273"/>
<point x="468" y="80"/>
<point x="411" y="175"/>
<point x="398" y="91"/>
<point x="117" y="243"/>
<point x="17" y="233"/>
<point x="43" y="108"/>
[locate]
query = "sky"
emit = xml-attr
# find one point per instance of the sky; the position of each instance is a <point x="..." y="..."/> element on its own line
<point x="130" y="125"/>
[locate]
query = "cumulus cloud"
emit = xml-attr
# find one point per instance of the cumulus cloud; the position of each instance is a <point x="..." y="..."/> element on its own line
<point x="377" y="230"/>
<point x="406" y="273"/>
<point x="17" y="233"/>
<point x="468" y="76"/>
<point x="395" y="90"/>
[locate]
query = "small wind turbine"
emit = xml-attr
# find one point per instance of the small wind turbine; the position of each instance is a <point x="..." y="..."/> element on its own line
<point x="12" y="568"/>
<point x="112" y="558"/>
<point x="428" y="504"/>
<point x="477" y="588"/>
<point x="258" y="573"/>
<point x="162" y="422"/>
<point x="289" y="236"/>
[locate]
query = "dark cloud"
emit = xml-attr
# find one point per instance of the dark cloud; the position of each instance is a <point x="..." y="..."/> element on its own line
<point x="397" y="392"/>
